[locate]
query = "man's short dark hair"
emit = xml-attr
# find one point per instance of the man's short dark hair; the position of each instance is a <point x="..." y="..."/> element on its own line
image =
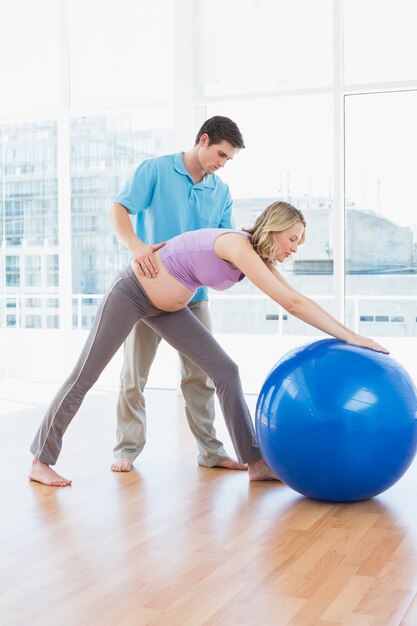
<point x="219" y="129"/>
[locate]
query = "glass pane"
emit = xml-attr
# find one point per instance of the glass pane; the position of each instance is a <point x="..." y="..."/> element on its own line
<point x="105" y="150"/>
<point x="268" y="45"/>
<point x="30" y="184"/>
<point x="31" y="52"/>
<point x="380" y="40"/>
<point x="288" y="156"/>
<point x="28" y="217"/>
<point x="381" y="222"/>
<point x="121" y="53"/>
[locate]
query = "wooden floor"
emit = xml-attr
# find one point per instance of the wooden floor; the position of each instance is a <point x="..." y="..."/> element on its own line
<point x="172" y="544"/>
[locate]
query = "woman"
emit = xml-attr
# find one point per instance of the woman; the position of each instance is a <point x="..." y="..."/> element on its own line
<point x="216" y="258"/>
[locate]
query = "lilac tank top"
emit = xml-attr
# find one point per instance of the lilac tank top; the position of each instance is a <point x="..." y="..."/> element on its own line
<point x="191" y="259"/>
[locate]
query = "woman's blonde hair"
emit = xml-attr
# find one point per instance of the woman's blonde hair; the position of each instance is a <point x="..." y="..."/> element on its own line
<point x="277" y="217"/>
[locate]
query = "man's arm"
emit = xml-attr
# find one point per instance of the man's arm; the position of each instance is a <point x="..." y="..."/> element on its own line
<point x="143" y="254"/>
<point x="227" y="218"/>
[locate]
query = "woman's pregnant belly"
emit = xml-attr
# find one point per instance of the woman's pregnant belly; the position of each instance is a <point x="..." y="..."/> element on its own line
<point x="164" y="291"/>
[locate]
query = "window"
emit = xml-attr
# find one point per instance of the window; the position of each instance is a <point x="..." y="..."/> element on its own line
<point x="52" y="321"/>
<point x="122" y="141"/>
<point x="30" y="184"/>
<point x="30" y="57"/>
<point x="12" y="271"/>
<point x="33" y="303"/>
<point x="32" y="321"/>
<point x="300" y="171"/>
<point x="10" y="321"/>
<point x="264" y="46"/>
<point x="380" y="41"/>
<point x="33" y="270"/>
<point x="381" y="222"/>
<point x="268" y="64"/>
<point x="52" y="270"/>
<point x="138" y="71"/>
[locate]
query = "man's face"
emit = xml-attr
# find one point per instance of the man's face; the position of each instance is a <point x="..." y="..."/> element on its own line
<point x="216" y="155"/>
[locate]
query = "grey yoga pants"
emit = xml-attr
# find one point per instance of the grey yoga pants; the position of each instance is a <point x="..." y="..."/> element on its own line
<point x="124" y="304"/>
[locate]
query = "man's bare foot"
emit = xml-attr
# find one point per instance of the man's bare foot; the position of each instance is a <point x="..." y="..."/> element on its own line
<point x="259" y="470"/>
<point x="42" y="473"/>
<point x="232" y="464"/>
<point x="124" y="464"/>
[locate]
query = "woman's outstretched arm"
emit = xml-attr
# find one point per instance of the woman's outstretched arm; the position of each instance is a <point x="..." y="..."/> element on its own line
<point x="282" y="280"/>
<point x="234" y="248"/>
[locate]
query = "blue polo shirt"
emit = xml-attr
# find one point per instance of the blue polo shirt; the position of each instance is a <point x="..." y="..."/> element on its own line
<point x="166" y="202"/>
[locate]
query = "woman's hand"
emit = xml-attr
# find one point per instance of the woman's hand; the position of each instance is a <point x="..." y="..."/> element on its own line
<point x="366" y="342"/>
<point x="145" y="260"/>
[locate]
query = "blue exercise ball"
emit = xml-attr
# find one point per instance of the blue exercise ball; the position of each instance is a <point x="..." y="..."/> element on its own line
<point x="336" y="422"/>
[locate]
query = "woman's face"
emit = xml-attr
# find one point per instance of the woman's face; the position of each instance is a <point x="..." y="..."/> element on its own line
<point x="288" y="241"/>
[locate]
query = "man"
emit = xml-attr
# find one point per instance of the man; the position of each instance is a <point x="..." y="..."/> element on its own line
<point x="169" y="195"/>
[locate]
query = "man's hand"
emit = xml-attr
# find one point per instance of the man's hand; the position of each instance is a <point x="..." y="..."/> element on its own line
<point x="145" y="260"/>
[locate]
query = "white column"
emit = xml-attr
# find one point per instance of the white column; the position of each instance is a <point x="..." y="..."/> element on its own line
<point x="338" y="228"/>
<point x="64" y="198"/>
<point x="187" y="117"/>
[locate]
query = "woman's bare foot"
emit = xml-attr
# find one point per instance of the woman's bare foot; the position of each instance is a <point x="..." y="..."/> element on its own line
<point x="42" y="473"/>
<point x="232" y="464"/>
<point x="124" y="464"/>
<point x="259" y="470"/>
